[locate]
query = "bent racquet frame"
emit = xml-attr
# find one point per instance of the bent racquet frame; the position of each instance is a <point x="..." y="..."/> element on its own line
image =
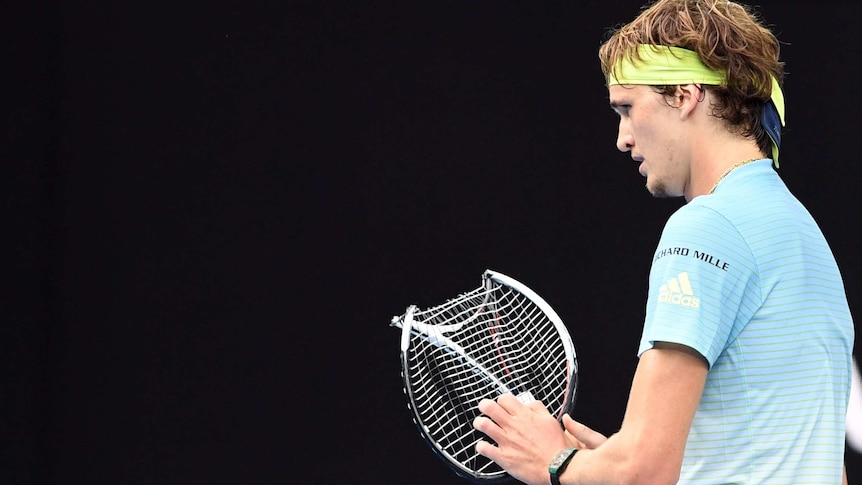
<point x="501" y="337"/>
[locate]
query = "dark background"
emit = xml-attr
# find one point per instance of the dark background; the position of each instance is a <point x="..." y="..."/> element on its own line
<point x="212" y="211"/>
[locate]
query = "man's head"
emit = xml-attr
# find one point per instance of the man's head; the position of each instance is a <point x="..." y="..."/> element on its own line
<point x="728" y="40"/>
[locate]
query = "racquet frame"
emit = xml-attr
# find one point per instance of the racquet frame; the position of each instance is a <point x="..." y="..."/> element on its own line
<point x="436" y="336"/>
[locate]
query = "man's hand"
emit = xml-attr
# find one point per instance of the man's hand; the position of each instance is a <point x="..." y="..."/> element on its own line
<point x="527" y="437"/>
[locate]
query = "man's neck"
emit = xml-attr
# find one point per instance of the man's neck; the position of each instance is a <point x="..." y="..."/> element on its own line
<point x="714" y="160"/>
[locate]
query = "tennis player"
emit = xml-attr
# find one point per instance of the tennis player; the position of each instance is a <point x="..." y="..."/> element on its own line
<point x="745" y="357"/>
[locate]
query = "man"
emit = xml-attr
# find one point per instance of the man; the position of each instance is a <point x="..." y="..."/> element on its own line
<point x="745" y="357"/>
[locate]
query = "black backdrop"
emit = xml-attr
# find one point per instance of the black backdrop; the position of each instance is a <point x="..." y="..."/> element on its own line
<point x="214" y="209"/>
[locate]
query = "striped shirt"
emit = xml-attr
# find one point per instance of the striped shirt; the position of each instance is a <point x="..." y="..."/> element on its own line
<point x="745" y="277"/>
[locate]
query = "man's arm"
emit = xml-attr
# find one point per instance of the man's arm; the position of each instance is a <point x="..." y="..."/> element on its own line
<point x="649" y="447"/>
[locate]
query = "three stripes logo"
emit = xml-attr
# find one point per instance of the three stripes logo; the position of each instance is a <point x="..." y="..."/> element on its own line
<point x="678" y="291"/>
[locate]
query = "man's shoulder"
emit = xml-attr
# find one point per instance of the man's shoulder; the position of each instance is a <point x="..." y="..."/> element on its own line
<point x="697" y="214"/>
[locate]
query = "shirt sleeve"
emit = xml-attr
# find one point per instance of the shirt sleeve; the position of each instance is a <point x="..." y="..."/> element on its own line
<point x="703" y="286"/>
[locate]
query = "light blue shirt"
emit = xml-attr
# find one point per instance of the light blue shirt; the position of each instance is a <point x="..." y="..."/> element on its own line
<point x="745" y="277"/>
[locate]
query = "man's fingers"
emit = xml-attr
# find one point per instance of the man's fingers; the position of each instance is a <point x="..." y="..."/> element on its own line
<point x="591" y="439"/>
<point x="537" y="406"/>
<point x="487" y="450"/>
<point x="493" y="410"/>
<point x="490" y="428"/>
<point x="510" y="403"/>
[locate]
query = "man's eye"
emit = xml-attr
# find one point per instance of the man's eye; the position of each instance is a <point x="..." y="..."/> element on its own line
<point x="622" y="109"/>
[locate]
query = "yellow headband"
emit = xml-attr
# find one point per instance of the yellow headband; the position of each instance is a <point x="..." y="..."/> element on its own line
<point x="662" y="65"/>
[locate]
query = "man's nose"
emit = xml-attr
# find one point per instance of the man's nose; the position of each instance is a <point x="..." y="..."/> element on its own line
<point x="625" y="141"/>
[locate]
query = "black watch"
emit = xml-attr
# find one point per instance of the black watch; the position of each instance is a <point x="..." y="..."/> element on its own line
<point x="559" y="463"/>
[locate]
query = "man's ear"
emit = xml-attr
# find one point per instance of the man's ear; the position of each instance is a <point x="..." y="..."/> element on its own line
<point x="689" y="97"/>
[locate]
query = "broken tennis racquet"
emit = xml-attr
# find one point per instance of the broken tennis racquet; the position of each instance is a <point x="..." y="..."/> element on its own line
<point x="501" y="337"/>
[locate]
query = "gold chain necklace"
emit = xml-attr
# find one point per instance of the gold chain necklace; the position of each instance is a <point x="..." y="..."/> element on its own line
<point x="731" y="169"/>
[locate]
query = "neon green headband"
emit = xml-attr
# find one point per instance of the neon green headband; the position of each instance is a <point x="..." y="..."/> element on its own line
<point x="662" y="65"/>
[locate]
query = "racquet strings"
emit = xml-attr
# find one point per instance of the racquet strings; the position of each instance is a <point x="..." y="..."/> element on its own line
<point x="509" y="337"/>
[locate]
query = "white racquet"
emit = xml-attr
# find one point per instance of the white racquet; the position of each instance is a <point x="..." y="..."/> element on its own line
<point x="501" y="337"/>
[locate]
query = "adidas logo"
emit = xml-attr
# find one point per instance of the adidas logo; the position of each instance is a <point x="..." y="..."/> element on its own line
<point x="678" y="291"/>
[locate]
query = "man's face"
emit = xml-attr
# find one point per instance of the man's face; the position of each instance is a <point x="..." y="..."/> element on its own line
<point x="650" y="129"/>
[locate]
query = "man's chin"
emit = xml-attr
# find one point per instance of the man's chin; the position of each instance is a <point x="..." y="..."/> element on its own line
<point x="660" y="191"/>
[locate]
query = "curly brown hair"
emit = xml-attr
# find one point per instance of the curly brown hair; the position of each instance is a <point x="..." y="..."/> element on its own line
<point x="726" y="36"/>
